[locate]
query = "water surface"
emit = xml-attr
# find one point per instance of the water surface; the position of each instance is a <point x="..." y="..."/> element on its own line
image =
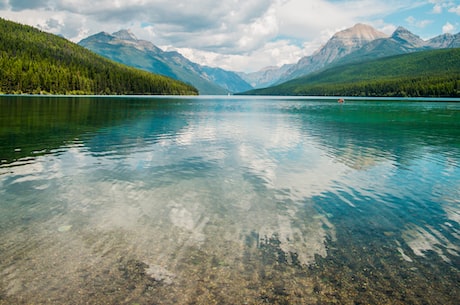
<point x="210" y="200"/>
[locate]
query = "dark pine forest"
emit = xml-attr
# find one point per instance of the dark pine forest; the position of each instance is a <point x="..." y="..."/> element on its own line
<point x="433" y="73"/>
<point x="35" y="62"/>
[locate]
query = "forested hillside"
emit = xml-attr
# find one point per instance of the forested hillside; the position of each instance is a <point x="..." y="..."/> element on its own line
<point x="124" y="47"/>
<point x="35" y="62"/>
<point x="421" y="74"/>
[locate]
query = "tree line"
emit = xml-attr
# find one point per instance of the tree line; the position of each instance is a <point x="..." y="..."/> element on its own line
<point x="420" y="74"/>
<point x="35" y="62"/>
<point x="422" y="86"/>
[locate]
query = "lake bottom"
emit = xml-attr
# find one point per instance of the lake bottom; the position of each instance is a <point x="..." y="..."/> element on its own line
<point x="229" y="201"/>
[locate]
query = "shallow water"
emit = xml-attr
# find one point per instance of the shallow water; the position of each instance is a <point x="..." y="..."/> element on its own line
<point x="207" y="200"/>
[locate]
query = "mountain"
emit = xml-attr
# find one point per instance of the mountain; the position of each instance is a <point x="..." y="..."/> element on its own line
<point x="361" y="43"/>
<point x="401" y="41"/>
<point x="445" y="41"/>
<point x="125" y="48"/>
<point x="126" y="35"/>
<point x="340" y="45"/>
<point x="35" y="62"/>
<point x="265" y="77"/>
<point x="407" y="40"/>
<point x="441" y="41"/>
<point x="424" y="73"/>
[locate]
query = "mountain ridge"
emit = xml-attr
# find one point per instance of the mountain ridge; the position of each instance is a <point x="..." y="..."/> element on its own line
<point x="341" y="44"/>
<point x="125" y="34"/>
<point x="36" y="62"/>
<point x="400" y="42"/>
<point x="427" y="73"/>
<point x="407" y="38"/>
<point x="124" y="47"/>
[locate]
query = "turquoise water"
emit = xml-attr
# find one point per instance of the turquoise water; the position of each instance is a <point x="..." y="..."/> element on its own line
<point x="236" y="200"/>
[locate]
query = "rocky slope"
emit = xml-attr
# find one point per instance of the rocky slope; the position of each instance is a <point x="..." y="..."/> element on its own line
<point x="340" y="45"/>
<point x="356" y="44"/>
<point x="265" y="77"/>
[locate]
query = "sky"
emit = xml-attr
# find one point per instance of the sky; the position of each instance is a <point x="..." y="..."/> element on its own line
<point x="237" y="35"/>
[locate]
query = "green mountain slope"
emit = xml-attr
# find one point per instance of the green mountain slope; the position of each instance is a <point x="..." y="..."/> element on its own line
<point x="125" y="48"/>
<point x="426" y="73"/>
<point x="35" y="62"/>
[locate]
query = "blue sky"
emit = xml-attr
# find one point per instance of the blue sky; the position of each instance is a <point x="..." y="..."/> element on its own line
<point x="429" y="18"/>
<point x="239" y="35"/>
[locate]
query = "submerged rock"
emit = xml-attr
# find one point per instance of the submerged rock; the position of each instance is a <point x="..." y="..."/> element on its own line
<point x="160" y="274"/>
<point x="64" y="228"/>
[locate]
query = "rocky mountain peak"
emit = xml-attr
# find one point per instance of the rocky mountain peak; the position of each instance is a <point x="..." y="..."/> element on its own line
<point x="341" y="44"/>
<point x="441" y="41"/>
<point x="125" y="35"/>
<point x="400" y="30"/>
<point x="359" y="32"/>
<point x="346" y="41"/>
<point x="403" y="35"/>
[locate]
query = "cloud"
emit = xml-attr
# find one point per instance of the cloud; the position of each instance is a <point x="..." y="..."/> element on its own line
<point x="449" y="5"/>
<point x="303" y="21"/>
<point x="437" y="9"/>
<point x="275" y="53"/>
<point x="220" y="21"/>
<point x="418" y="23"/>
<point x="448" y="28"/>
<point x="227" y="33"/>
<point x="455" y="9"/>
<point x="230" y="26"/>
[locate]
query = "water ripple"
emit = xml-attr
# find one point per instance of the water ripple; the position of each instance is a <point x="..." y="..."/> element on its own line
<point x="153" y="196"/>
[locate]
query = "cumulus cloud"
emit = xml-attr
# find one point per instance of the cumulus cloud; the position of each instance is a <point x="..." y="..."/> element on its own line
<point x="308" y="19"/>
<point x="437" y="9"/>
<point x="228" y="26"/>
<point x="448" y="28"/>
<point x="455" y="9"/>
<point x="275" y="53"/>
<point x="418" y="23"/>
<point x="441" y="5"/>
<point x="229" y="33"/>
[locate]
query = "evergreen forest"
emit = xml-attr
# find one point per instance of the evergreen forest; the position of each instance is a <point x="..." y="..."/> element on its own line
<point x="421" y="74"/>
<point x="35" y="62"/>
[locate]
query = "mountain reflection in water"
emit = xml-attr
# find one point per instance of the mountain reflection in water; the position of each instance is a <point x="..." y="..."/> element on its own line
<point x="228" y="200"/>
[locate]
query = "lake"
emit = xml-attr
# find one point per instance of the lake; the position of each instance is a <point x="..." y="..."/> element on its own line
<point x="229" y="200"/>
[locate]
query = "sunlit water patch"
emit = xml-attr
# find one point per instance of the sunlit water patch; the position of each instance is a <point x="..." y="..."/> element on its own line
<point x="228" y="201"/>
